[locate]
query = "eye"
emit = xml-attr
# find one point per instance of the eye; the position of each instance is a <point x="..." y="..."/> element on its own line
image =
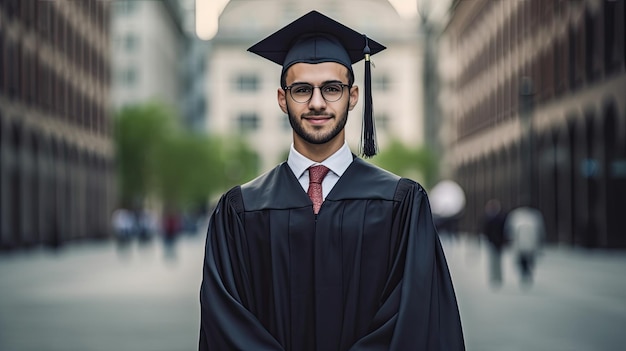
<point x="332" y="88"/>
<point x="301" y="89"/>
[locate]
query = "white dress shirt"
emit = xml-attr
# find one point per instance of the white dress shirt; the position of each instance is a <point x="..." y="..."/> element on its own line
<point x="337" y="163"/>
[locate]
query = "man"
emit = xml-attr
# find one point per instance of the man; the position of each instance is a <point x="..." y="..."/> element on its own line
<point x="356" y="267"/>
<point x="493" y="228"/>
<point x="525" y="228"/>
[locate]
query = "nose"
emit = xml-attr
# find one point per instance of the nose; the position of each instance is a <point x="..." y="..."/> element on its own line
<point x="317" y="101"/>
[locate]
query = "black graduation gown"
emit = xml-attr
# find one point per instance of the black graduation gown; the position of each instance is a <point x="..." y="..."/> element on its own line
<point x="366" y="273"/>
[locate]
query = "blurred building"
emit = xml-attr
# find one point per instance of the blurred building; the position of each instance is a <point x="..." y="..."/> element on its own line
<point x="57" y="169"/>
<point x="194" y="99"/>
<point x="194" y="86"/>
<point x="158" y="58"/>
<point x="535" y="112"/>
<point x="433" y="17"/>
<point x="146" y="52"/>
<point x="243" y="85"/>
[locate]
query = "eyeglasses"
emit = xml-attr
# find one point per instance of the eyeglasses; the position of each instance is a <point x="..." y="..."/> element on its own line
<point x="303" y="92"/>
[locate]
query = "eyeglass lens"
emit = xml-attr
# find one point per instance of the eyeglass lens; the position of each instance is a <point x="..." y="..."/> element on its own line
<point x="303" y="92"/>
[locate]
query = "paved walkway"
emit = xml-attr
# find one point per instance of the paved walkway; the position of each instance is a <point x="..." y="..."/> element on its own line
<point x="577" y="301"/>
<point x="92" y="297"/>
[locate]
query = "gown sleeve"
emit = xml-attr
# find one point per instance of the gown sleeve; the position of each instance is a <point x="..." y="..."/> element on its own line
<point x="226" y="324"/>
<point x="418" y="309"/>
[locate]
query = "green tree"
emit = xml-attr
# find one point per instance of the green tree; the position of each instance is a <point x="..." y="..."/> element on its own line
<point x="159" y="159"/>
<point x="181" y="158"/>
<point x="194" y="168"/>
<point x="139" y="132"/>
<point x="416" y="163"/>
<point x="240" y="162"/>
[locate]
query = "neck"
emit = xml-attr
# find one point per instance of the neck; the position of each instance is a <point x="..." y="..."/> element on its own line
<point x="318" y="152"/>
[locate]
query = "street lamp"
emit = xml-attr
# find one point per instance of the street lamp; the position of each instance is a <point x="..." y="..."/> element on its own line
<point x="526" y="122"/>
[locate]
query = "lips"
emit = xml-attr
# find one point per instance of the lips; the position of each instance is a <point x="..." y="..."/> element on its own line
<point x="317" y="119"/>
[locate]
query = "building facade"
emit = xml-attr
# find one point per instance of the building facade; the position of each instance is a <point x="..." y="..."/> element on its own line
<point x="147" y="53"/>
<point x="535" y="113"/>
<point x="194" y="104"/>
<point x="242" y="86"/>
<point x="56" y="153"/>
<point x="158" y="58"/>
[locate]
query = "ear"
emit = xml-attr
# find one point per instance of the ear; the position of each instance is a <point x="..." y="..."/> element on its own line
<point x="354" y="97"/>
<point x="282" y="100"/>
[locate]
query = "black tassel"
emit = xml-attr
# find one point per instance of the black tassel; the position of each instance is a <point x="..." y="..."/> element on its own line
<point x="369" y="132"/>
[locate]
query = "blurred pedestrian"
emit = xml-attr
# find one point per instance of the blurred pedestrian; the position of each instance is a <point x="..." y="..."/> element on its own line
<point x="171" y="228"/>
<point x="123" y="222"/>
<point x="525" y="228"/>
<point x="447" y="202"/>
<point x="493" y="229"/>
<point x="354" y="262"/>
<point x="147" y="224"/>
<point x="171" y="224"/>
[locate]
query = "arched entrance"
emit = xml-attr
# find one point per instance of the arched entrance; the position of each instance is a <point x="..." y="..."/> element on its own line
<point x="565" y="182"/>
<point x="615" y="170"/>
<point x="546" y="183"/>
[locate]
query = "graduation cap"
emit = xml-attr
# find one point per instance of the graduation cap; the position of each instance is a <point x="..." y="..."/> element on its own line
<point x="315" y="38"/>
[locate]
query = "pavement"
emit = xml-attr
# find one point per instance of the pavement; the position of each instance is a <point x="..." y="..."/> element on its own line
<point x="577" y="301"/>
<point x="102" y="296"/>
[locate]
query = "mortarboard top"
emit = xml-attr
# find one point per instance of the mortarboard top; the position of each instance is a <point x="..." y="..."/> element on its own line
<point x="296" y="42"/>
<point x="315" y="38"/>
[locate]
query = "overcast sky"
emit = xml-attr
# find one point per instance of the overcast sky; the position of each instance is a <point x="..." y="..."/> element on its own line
<point x="207" y="12"/>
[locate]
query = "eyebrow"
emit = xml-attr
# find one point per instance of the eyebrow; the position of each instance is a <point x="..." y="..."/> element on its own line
<point x="323" y="83"/>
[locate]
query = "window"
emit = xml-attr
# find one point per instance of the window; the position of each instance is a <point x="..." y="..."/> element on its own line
<point x="131" y="76"/>
<point x="247" y="82"/>
<point x="13" y="63"/>
<point x="248" y="121"/>
<point x="590" y="46"/>
<point x="131" y="42"/>
<point x="43" y="19"/>
<point x="571" y="58"/>
<point x="380" y="82"/>
<point x="127" y="76"/>
<point x="118" y="42"/>
<point x="3" y="68"/>
<point x="124" y="7"/>
<point x="613" y="31"/>
<point x="382" y="122"/>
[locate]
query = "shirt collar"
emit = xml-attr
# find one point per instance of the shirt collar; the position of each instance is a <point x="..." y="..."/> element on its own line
<point x="337" y="162"/>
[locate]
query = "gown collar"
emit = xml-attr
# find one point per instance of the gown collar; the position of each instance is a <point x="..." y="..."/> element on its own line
<point x="337" y="162"/>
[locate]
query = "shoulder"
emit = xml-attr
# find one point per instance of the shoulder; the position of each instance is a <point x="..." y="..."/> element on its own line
<point x="275" y="189"/>
<point x="230" y="200"/>
<point x="253" y="189"/>
<point x="367" y="181"/>
<point x="263" y="181"/>
<point x="401" y="186"/>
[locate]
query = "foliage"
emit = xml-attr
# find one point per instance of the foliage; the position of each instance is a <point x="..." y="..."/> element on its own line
<point x="418" y="164"/>
<point x="240" y="163"/>
<point x="138" y="133"/>
<point x="159" y="159"/>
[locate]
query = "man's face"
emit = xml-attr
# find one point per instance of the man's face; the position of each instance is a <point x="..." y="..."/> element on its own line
<point x="318" y="121"/>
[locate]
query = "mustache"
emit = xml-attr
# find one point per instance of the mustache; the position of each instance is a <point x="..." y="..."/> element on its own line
<point x="314" y="114"/>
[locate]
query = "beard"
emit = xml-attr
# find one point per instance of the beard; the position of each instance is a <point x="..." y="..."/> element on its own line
<point x="314" y="137"/>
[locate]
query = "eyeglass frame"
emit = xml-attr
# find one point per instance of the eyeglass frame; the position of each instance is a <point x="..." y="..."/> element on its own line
<point x="290" y="87"/>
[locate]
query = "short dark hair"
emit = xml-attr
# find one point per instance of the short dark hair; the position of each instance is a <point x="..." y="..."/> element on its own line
<point x="283" y="78"/>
